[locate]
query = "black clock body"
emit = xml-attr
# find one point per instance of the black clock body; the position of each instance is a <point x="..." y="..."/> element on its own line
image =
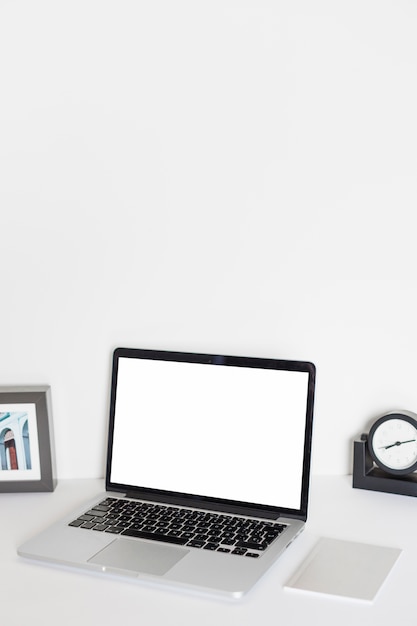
<point x="386" y="458"/>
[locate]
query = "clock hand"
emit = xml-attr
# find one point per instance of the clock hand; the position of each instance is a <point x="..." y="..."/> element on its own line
<point x="397" y="443"/>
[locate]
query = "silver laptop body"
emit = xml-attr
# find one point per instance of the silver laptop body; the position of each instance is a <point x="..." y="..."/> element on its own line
<point x="207" y="474"/>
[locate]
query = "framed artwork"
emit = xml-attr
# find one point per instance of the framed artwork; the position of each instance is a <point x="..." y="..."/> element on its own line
<point x="27" y="460"/>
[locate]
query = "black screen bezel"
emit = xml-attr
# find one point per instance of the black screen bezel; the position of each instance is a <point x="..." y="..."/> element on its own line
<point x="204" y="502"/>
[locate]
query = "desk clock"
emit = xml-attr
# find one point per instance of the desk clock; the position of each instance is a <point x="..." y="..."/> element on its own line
<point x="385" y="459"/>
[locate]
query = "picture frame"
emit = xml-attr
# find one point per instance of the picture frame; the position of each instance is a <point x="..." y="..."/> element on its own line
<point x="27" y="457"/>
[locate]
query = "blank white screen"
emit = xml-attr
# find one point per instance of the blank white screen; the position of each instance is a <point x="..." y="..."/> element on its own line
<point x="218" y="431"/>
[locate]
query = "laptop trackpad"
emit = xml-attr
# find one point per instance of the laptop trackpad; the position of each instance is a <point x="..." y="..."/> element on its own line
<point x="139" y="556"/>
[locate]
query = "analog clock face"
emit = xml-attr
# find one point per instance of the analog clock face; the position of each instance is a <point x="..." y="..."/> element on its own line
<point x="393" y="443"/>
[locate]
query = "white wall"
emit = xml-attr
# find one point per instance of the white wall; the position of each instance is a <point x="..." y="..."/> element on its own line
<point x="232" y="176"/>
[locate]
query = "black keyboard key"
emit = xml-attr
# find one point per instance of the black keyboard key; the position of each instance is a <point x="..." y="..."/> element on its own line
<point x="250" y="545"/>
<point x="194" y="543"/>
<point x="96" y="513"/>
<point x="272" y="533"/>
<point x="115" y="530"/>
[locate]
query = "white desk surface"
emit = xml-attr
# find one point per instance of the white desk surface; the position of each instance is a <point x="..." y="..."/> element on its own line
<point x="37" y="594"/>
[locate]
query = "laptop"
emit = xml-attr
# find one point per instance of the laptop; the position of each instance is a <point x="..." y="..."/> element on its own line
<point x="207" y="476"/>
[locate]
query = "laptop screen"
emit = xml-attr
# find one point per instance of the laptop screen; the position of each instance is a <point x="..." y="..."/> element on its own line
<point x="222" y="428"/>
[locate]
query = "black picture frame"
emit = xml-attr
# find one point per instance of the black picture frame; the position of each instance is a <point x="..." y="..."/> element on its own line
<point x="27" y="456"/>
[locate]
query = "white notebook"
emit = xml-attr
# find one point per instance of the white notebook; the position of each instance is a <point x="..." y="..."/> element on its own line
<point x="345" y="568"/>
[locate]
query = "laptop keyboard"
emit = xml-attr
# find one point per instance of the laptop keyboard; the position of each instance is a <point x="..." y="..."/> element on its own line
<point x="185" y="527"/>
